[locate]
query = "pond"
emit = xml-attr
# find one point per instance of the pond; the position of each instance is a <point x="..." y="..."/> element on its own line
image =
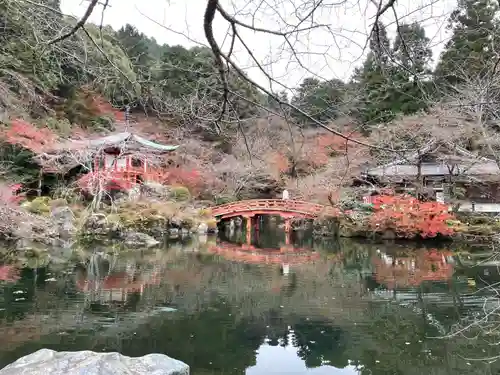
<point x="310" y="307"/>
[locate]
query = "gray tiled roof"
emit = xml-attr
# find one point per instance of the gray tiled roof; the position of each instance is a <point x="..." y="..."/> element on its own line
<point x="118" y="139"/>
<point x="470" y="165"/>
<point x="435" y="169"/>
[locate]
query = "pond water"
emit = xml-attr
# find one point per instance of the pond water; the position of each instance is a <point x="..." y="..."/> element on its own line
<point x="313" y="307"/>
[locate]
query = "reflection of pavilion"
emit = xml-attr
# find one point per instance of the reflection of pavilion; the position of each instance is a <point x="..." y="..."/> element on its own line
<point x="116" y="286"/>
<point x="394" y="272"/>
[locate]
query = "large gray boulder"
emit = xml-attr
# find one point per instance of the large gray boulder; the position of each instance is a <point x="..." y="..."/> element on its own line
<point x="47" y="361"/>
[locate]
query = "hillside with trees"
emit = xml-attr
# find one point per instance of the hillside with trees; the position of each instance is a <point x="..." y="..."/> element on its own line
<point x="241" y="141"/>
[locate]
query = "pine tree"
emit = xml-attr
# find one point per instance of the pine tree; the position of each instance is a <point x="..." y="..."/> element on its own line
<point x="380" y="45"/>
<point x="394" y="80"/>
<point x="470" y="51"/>
<point x="135" y="45"/>
<point x="372" y="80"/>
<point x="274" y="104"/>
<point x="319" y="99"/>
<point x="411" y="50"/>
<point x="410" y="83"/>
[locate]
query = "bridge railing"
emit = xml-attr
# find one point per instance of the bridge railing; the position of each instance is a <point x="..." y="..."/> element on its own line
<point x="287" y="205"/>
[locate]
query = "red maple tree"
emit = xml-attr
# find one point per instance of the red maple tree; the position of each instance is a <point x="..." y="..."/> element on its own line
<point x="9" y="273"/>
<point x="108" y="181"/>
<point x="24" y="134"/>
<point x="187" y="177"/>
<point x="99" y="106"/>
<point x="103" y="107"/>
<point x="10" y="195"/>
<point x="408" y="217"/>
<point x="325" y="146"/>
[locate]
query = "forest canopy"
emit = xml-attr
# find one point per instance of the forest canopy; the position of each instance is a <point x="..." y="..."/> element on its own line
<point x="183" y="84"/>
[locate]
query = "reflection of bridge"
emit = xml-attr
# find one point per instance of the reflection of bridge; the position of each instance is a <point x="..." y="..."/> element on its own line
<point x="285" y="208"/>
<point x="251" y="254"/>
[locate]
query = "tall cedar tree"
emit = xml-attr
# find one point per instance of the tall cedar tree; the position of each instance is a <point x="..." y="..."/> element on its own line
<point x="320" y="100"/>
<point x="411" y="84"/>
<point x="372" y="80"/>
<point x="471" y="50"/>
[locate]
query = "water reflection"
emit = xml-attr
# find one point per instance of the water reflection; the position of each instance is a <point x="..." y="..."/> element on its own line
<point x="411" y="270"/>
<point x="264" y="308"/>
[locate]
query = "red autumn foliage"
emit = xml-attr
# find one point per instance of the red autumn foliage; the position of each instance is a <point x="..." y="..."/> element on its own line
<point x="104" y="180"/>
<point x="22" y="133"/>
<point x="9" y="194"/>
<point x="279" y="162"/>
<point x="329" y="145"/>
<point x="413" y="270"/>
<point x="105" y="108"/>
<point x="408" y="217"/>
<point x="189" y="178"/>
<point x="100" y="106"/>
<point x="9" y="273"/>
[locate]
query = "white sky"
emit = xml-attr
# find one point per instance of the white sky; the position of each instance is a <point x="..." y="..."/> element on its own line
<point x="322" y="53"/>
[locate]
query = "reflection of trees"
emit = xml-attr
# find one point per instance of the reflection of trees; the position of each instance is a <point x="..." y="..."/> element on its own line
<point x="212" y="340"/>
<point x="396" y="341"/>
<point x="105" y="281"/>
<point x="320" y="342"/>
<point x="412" y="270"/>
<point x="227" y="312"/>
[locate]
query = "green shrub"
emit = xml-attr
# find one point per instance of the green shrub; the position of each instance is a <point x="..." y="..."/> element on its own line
<point x="224" y="199"/>
<point x="179" y="193"/>
<point x="39" y="206"/>
<point x="67" y="193"/>
<point x="211" y="224"/>
<point x="59" y="126"/>
<point x="475" y="219"/>
<point x="205" y="212"/>
<point x="103" y="123"/>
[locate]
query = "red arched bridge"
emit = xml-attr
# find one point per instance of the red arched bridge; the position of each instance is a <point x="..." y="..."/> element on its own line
<point x="286" y="208"/>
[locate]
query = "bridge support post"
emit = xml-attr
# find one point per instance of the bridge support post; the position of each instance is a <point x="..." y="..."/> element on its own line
<point x="288" y="230"/>
<point x="249" y="223"/>
<point x="249" y="226"/>
<point x="288" y="225"/>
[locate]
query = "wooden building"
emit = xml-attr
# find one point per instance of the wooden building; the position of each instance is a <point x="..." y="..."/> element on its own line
<point x="131" y="158"/>
<point x="125" y="159"/>
<point x="442" y="171"/>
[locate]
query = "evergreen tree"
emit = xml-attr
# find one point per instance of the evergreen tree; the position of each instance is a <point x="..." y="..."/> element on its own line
<point x="320" y="100"/>
<point x="470" y="51"/>
<point x="394" y="80"/>
<point x="372" y="81"/>
<point x="136" y="45"/>
<point x="274" y="104"/>
<point x="411" y="50"/>
<point x="380" y="45"/>
<point x="410" y="84"/>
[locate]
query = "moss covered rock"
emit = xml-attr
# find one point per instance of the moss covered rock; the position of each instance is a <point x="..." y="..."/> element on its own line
<point x="179" y="193"/>
<point x="153" y="218"/>
<point x="341" y="226"/>
<point x="39" y="206"/>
